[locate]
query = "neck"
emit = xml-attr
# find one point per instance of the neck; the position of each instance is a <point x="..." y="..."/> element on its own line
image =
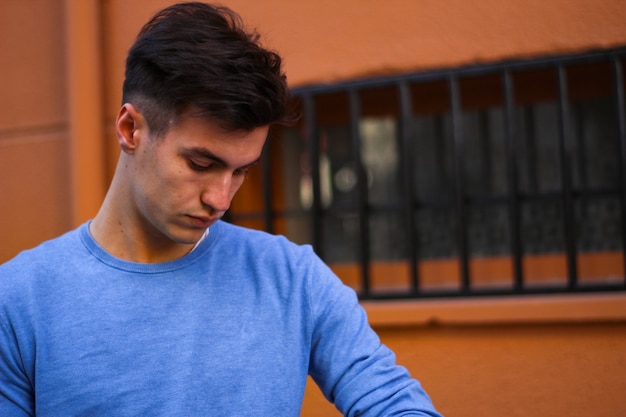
<point x="114" y="238"/>
<point x="121" y="232"/>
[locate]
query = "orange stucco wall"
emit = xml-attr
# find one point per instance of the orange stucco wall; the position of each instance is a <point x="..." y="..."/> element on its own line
<point x="61" y="64"/>
<point x="34" y="126"/>
<point x="510" y="370"/>
<point x="328" y="40"/>
<point x="355" y="38"/>
<point x="62" y="69"/>
<point x="536" y="356"/>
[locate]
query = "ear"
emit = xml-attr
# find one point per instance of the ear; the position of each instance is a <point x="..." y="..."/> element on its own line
<point x="129" y="125"/>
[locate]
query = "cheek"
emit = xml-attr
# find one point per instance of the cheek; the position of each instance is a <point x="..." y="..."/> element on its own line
<point x="168" y="186"/>
<point x="236" y="184"/>
<point x="180" y="191"/>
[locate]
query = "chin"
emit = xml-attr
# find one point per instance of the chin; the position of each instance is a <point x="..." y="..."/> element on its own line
<point x="190" y="238"/>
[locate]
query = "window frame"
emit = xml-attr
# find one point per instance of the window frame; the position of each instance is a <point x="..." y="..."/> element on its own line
<point x="310" y="128"/>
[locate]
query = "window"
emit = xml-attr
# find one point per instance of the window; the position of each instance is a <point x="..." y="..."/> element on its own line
<point x="496" y="179"/>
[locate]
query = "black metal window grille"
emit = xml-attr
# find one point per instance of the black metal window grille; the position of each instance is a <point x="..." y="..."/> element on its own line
<point x="501" y="162"/>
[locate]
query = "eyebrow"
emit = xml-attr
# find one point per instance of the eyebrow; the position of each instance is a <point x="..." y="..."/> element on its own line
<point x="205" y="153"/>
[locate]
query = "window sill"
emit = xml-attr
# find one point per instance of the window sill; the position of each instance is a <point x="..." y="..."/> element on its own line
<point x="501" y="310"/>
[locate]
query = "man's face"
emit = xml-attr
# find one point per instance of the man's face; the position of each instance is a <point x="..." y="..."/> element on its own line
<point x="185" y="180"/>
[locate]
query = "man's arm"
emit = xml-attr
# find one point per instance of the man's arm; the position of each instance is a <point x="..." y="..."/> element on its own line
<point x="16" y="397"/>
<point x="16" y="391"/>
<point x="348" y="362"/>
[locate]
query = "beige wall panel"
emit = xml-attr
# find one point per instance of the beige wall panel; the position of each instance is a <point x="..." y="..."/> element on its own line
<point x="34" y="180"/>
<point x="32" y="62"/>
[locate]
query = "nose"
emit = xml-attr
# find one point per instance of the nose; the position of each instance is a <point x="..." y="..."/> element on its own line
<point x="217" y="194"/>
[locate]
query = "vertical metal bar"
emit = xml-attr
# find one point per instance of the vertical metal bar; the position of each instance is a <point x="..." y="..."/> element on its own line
<point x="363" y="203"/>
<point x="582" y="153"/>
<point x="444" y="179"/>
<point x="512" y="177"/>
<point x="581" y="181"/>
<point x="531" y="150"/>
<point x="620" y="108"/>
<point x="406" y="154"/>
<point x="266" y="175"/>
<point x="484" y="138"/>
<point x="312" y="141"/>
<point x="459" y="154"/>
<point x="565" y="151"/>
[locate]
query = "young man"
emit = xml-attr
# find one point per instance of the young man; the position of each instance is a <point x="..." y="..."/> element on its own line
<point x="155" y="307"/>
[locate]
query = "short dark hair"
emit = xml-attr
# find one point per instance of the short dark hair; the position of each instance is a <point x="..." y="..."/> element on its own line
<point x="198" y="56"/>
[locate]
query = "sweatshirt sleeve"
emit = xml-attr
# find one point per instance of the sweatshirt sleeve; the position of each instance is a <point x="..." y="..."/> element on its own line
<point x="16" y="395"/>
<point x="348" y="362"/>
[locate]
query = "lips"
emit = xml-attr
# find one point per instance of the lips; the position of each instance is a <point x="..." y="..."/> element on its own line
<point x="201" y="221"/>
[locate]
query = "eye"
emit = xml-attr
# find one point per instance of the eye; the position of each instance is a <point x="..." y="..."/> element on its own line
<point x="241" y="172"/>
<point x="199" y="166"/>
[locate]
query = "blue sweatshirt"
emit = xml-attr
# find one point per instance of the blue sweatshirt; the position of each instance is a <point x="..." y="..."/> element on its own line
<point x="231" y="329"/>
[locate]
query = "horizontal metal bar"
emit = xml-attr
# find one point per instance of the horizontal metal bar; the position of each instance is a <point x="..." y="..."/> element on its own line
<point x="448" y="294"/>
<point x="464" y="71"/>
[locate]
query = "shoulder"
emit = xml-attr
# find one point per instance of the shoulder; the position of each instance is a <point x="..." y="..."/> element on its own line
<point x="275" y="257"/>
<point x="40" y="261"/>
<point x="238" y="239"/>
<point x="41" y="252"/>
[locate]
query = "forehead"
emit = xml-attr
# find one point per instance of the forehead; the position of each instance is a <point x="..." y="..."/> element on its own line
<point x="193" y="131"/>
<point x="193" y="125"/>
<point x="194" y="118"/>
